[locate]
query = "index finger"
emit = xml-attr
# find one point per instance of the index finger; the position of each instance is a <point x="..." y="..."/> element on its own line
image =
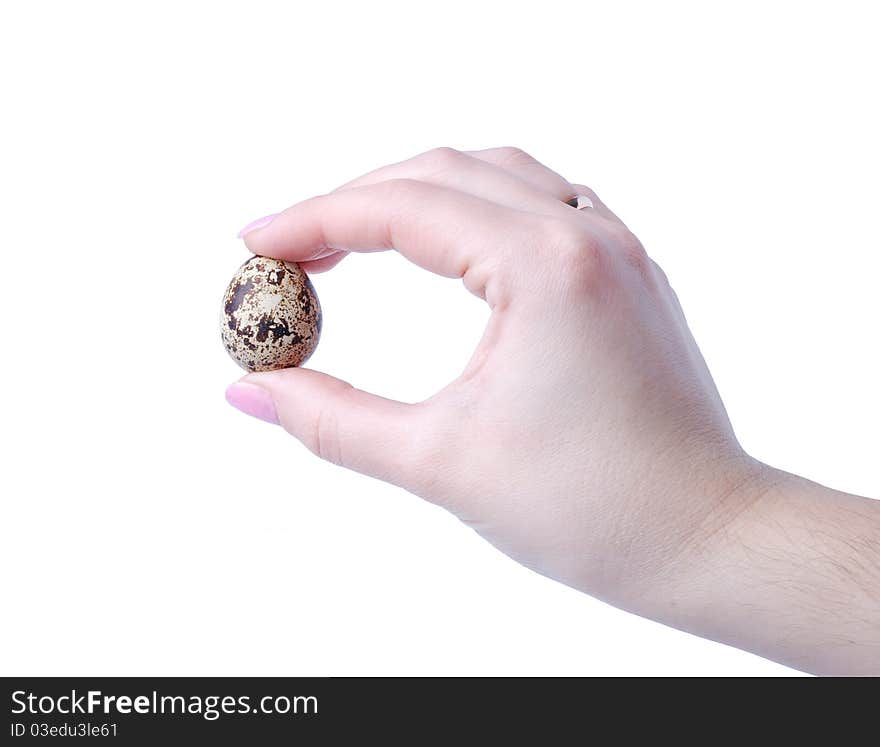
<point x="440" y="229"/>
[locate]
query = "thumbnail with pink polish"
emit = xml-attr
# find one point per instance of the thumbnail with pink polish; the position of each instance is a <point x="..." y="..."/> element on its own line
<point x="252" y="400"/>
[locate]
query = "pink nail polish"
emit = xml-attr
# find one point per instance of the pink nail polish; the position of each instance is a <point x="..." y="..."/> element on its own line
<point x="258" y="223"/>
<point x="252" y="400"/>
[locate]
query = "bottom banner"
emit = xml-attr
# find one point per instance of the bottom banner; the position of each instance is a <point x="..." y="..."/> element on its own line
<point x="324" y="711"/>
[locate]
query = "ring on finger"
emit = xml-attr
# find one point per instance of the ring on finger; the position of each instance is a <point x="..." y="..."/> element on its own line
<point x="580" y="202"/>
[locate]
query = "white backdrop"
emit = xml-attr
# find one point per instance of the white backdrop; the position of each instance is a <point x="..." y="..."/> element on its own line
<point x="148" y="528"/>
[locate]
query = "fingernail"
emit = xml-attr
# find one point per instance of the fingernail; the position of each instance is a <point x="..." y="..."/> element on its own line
<point x="252" y="400"/>
<point x="258" y="223"/>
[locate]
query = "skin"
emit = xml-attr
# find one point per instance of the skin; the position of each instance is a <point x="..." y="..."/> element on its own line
<point x="616" y="470"/>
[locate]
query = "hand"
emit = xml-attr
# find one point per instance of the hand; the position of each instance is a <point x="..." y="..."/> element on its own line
<point x="585" y="438"/>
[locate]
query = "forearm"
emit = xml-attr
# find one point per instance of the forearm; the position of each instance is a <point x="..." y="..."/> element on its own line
<point x="789" y="570"/>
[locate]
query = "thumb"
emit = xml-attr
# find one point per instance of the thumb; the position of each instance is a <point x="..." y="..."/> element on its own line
<point x="344" y="425"/>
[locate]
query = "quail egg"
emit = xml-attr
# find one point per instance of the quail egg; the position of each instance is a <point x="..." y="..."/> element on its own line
<point x="271" y="317"/>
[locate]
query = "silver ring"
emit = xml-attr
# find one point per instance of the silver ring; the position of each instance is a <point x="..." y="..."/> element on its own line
<point x="580" y="202"/>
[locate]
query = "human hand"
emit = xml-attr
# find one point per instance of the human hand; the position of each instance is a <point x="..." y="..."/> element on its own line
<point x="585" y="438"/>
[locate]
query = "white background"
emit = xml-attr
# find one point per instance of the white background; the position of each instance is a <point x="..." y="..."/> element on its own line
<point x="148" y="528"/>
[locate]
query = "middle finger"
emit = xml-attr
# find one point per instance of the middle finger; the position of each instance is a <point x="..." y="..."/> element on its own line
<point x="446" y="167"/>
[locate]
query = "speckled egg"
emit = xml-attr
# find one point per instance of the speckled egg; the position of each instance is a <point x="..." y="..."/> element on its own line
<point x="271" y="317"/>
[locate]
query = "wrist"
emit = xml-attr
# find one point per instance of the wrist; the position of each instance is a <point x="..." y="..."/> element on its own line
<point x="685" y="576"/>
<point x="784" y="568"/>
<point x="683" y="525"/>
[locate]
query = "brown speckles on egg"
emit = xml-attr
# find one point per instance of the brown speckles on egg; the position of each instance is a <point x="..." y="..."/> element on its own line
<point x="271" y="317"/>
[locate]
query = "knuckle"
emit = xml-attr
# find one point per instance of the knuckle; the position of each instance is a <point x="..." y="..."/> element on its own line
<point x="573" y="242"/>
<point x="576" y="252"/>
<point x="659" y="272"/>
<point x="583" y="269"/>
<point x="325" y="437"/>
<point x="632" y="252"/>
<point x="514" y="155"/>
<point x="400" y="188"/>
<point x="442" y="157"/>
<point x="325" y="441"/>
